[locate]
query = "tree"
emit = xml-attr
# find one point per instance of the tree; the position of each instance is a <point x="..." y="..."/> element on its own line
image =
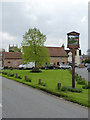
<point x="33" y="48"/>
<point x="15" y="50"/>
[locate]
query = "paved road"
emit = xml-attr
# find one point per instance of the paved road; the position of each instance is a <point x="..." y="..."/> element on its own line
<point x="24" y="102"/>
<point x="83" y="72"/>
<point x="0" y="98"/>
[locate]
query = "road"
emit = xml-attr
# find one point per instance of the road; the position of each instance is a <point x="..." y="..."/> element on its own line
<point x="21" y="101"/>
<point x="83" y="72"/>
<point x="0" y="98"/>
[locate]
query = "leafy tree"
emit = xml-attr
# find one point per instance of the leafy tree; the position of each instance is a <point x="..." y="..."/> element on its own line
<point x="15" y="50"/>
<point x="33" y="48"/>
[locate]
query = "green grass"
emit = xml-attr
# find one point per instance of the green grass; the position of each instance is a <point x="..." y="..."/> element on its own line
<point x="51" y="78"/>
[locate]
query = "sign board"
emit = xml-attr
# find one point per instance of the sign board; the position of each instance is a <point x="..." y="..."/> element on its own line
<point x="73" y="40"/>
<point x="73" y="44"/>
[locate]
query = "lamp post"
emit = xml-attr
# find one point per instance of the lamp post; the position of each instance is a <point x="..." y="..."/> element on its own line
<point x="73" y="45"/>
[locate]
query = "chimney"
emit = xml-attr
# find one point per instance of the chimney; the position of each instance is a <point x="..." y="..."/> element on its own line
<point x="63" y="46"/>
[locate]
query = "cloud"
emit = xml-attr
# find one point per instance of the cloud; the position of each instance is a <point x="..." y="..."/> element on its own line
<point x="6" y="36"/>
<point x="54" y="18"/>
<point x="6" y="39"/>
<point x="84" y="19"/>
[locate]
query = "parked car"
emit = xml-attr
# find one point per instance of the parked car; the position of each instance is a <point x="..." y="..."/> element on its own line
<point x="86" y="64"/>
<point x="71" y="64"/>
<point x="1" y="68"/>
<point x="50" y="67"/>
<point x="64" y="66"/>
<point x="88" y="68"/>
<point x="27" y="66"/>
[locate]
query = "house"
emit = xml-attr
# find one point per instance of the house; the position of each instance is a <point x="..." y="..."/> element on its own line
<point x="1" y="57"/>
<point x="12" y="59"/>
<point x="78" y="56"/>
<point x="58" y="55"/>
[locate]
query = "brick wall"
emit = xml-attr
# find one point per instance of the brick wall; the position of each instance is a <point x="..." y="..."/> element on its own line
<point x="55" y="60"/>
<point x="12" y="62"/>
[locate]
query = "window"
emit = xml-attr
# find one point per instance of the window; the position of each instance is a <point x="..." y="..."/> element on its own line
<point x="0" y="55"/>
<point x="52" y="58"/>
<point x="58" y="63"/>
<point x="8" y="61"/>
<point x="60" y="58"/>
<point x="15" y="63"/>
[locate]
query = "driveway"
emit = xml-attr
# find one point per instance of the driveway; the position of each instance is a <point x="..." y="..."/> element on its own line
<point x="83" y="72"/>
<point x="21" y="101"/>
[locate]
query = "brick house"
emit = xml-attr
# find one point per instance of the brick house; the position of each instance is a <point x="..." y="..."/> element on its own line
<point x="77" y="56"/>
<point x="1" y="57"/>
<point x="12" y="59"/>
<point x="58" y="55"/>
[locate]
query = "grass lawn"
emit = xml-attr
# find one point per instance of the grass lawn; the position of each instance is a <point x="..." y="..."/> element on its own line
<point x="51" y="78"/>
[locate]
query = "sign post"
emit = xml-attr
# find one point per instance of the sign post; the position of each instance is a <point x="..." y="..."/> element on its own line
<point x="73" y="45"/>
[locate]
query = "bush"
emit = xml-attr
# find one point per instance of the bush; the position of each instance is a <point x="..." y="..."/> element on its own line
<point x="28" y="80"/>
<point x="11" y="75"/>
<point x="36" y="70"/>
<point x="86" y="86"/>
<point x="11" y="68"/>
<point x="43" y="84"/>
<point x="74" y="89"/>
<point x="66" y="88"/>
<point x="81" y="82"/>
<point x="19" y="77"/>
<point x="6" y="67"/>
<point x="5" y="73"/>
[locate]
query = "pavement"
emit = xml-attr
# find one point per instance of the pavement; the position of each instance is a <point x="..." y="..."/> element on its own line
<point x="83" y="72"/>
<point x="21" y="101"/>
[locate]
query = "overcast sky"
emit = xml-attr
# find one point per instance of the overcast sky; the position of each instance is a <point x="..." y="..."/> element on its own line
<point x="54" y="18"/>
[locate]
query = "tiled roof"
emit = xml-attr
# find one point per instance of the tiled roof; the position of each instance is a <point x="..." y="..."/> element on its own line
<point x="57" y="52"/>
<point x="12" y="55"/>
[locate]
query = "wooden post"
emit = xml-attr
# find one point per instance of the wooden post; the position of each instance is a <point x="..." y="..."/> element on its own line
<point x="73" y="68"/>
<point x="16" y="75"/>
<point x="25" y="77"/>
<point x="59" y="85"/>
<point x="39" y="81"/>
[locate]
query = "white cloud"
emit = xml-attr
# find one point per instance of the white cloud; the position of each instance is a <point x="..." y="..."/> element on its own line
<point x="54" y="18"/>
<point x="84" y="19"/>
<point x="6" y="36"/>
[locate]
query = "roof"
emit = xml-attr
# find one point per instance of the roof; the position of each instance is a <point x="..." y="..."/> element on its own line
<point x="67" y="51"/>
<point x="57" y="52"/>
<point x="12" y="55"/>
<point x="73" y="32"/>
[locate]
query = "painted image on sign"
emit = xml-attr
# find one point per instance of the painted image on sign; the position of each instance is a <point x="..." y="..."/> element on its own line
<point x="73" y="39"/>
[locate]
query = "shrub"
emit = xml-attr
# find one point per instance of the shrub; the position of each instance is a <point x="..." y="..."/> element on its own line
<point x="81" y="82"/>
<point x="36" y="70"/>
<point x="19" y="77"/>
<point x="86" y="86"/>
<point x="5" y="73"/>
<point x="6" y="67"/>
<point x="66" y="88"/>
<point x="11" y="75"/>
<point x="28" y="80"/>
<point x="11" y="68"/>
<point x="74" y="89"/>
<point x="43" y="84"/>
